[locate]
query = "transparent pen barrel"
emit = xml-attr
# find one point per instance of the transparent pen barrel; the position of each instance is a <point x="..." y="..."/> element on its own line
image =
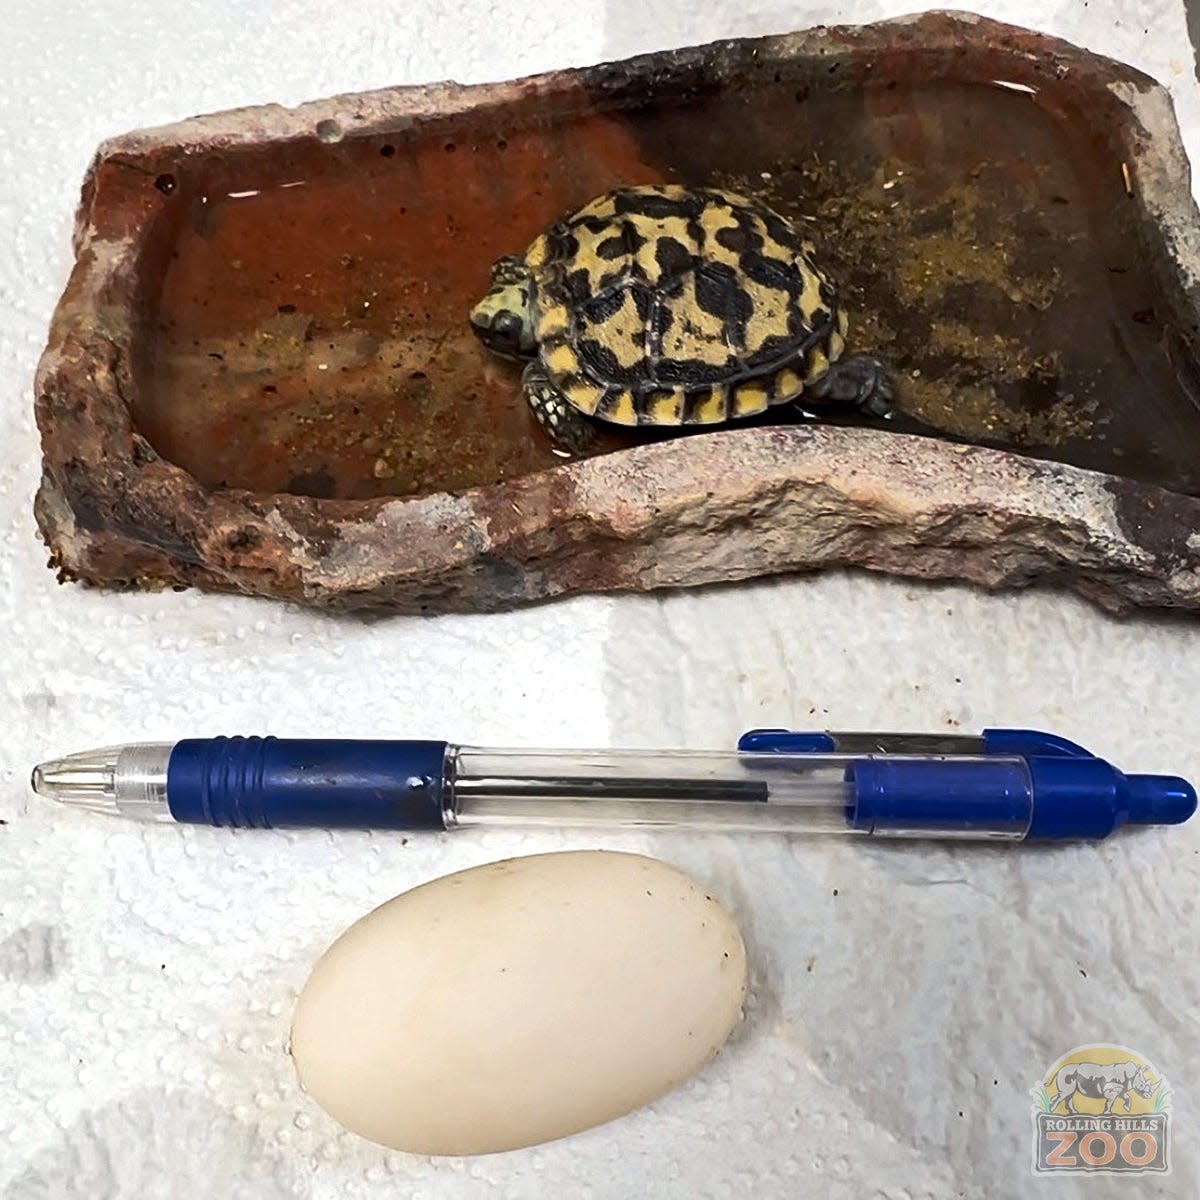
<point x="672" y="789"/>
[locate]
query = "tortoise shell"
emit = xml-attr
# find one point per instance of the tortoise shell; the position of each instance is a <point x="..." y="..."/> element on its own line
<point x="672" y="306"/>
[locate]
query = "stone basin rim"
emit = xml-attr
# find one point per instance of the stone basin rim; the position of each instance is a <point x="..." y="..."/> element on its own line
<point x="941" y="28"/>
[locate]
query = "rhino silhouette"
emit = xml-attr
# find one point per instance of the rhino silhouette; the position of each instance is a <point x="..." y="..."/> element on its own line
<point x="1114" y="1084"/>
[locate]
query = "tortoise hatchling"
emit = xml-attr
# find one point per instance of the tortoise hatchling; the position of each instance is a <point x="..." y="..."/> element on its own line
<point x="665" y="305"/>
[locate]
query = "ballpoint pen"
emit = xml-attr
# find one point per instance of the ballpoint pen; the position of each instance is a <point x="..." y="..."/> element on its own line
<point x="1005" y="784"/>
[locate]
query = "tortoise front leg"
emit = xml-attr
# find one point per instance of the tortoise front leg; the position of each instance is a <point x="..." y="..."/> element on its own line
<point x="565" y="424"/>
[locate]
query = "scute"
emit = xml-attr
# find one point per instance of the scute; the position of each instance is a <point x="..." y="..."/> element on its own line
<point x="664" y="306"/>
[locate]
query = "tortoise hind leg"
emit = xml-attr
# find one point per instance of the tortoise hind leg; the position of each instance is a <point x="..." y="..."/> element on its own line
<point x="565" y="424"/>
<point x="859" y="383"/>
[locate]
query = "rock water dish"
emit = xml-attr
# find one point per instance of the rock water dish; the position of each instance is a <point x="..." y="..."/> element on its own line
<point x="262" y="377"/>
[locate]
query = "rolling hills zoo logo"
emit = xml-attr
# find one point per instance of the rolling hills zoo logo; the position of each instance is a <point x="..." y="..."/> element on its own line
<point x="1101" y="1110"/>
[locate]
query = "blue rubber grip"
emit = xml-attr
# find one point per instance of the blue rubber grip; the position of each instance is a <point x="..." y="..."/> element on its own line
<point x="264" y="783"/>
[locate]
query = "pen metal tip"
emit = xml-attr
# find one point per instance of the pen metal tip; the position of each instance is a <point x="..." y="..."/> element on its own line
<point x="85" y="779"/>
<point x="119" y="780"/>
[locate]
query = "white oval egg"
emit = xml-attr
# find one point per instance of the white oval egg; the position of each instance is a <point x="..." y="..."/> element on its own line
<point x="518" y="1002"/>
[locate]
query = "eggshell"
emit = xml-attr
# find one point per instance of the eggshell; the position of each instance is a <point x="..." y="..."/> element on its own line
<point x="518" y="1002"/>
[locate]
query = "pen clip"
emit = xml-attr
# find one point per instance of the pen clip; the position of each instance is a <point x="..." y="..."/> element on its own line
<point x="1029" y="743"/>
<point x="799" y="741"/>
<point x="1012" y="743"/>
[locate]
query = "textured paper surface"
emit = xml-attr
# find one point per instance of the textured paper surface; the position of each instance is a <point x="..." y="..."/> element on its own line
<point x="905" y="998"/>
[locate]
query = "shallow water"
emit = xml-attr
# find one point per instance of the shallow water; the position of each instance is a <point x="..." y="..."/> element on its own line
<point x="311" y="330"/>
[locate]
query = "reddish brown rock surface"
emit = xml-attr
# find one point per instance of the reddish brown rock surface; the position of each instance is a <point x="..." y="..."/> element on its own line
<point x="259" y="378"/>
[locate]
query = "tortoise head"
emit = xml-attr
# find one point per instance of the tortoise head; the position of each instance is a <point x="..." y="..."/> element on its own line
<point x="503" y="319"/>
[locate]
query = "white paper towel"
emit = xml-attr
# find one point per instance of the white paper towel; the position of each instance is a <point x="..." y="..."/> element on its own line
<point x="905" y="998"/>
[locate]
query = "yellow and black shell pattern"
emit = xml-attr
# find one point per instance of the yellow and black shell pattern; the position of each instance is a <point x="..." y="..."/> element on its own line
<point x="664" y="305"/>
